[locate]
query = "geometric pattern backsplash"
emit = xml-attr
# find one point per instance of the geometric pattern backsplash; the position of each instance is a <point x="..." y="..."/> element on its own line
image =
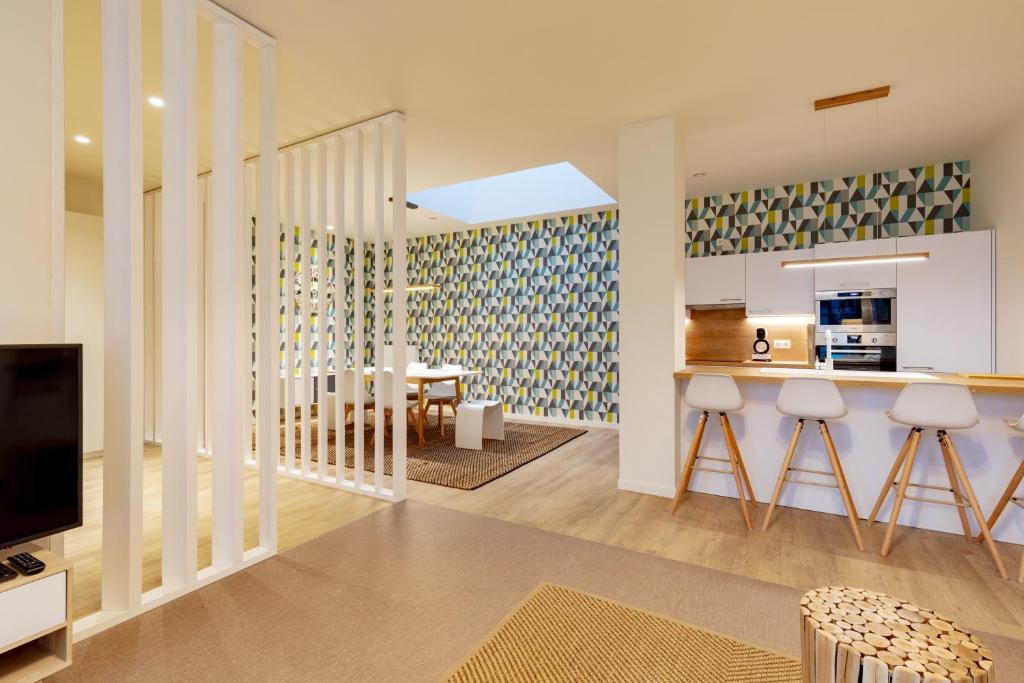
<point x="923" y="200"/>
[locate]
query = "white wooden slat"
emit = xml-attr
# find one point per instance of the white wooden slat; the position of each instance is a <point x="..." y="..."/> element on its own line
<point x="321" y="308"/>
<point x="268" y="262"/>
<point x="288" y="297"/>
<point x="121" y="28"/>
<point x="228" y="465"/>
<point x="305" y="365"/>
<point x="378" y="304"/>
<point x="398" y="303"/>
<point x="340" y="306"/>
<point x="179" y="269"/>
<point x="359" y="288"/>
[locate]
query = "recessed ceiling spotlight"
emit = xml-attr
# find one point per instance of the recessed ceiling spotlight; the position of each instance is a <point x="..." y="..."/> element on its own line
<point x="156" y="101"/>
<point x="699" y="174"/>
<point x="82" y="139"/>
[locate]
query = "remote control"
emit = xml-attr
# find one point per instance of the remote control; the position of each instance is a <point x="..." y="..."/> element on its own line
<point x="6" y="573"/>
<point x="26" y="563"/>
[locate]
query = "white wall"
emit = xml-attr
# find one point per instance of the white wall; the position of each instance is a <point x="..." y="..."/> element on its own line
<point x="997" y="177"/>
<point x="25" y="171"/>
<point x="651" y="332"/>
<point x="83" y="264"/>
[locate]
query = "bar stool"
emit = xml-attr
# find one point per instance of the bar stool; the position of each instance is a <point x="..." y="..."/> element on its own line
<point x="813" y="398"/>
<point x="938" y="406"/>
<point x="1008" y="496"/>
<point x="713" y="393"/>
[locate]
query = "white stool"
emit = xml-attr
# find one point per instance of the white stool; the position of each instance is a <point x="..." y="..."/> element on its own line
<point x="478" y="420"/>
<point x="813" y="398"/>
<point x="1011" y="488"/>
<point x="938" y="406"/>
<point x="709" y="393"/>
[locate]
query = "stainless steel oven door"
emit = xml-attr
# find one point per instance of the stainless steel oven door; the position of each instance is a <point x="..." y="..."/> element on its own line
<point x="867" y="310"/>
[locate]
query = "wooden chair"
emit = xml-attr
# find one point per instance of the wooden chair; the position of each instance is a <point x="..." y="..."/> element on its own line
<point x="813" y="398"/>
<point x="716" y="393"/>
<point x="385" y="402"/>
<point x="442" y="394"/>
<point x="938" y="406"/>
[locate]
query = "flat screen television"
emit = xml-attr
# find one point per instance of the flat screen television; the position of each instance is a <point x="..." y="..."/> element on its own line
<point x="40" y="441"/>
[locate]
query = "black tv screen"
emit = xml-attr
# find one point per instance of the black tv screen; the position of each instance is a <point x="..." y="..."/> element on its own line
<point x="40" y="441"/>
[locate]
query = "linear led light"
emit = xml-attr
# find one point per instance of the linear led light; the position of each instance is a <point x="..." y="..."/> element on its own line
<point x="416" y="288"/>
<point x="774" y="319"/>
<point x="856" y="260"/>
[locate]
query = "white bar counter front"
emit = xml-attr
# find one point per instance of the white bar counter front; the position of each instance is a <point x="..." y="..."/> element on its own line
<point x="867" y="442"/>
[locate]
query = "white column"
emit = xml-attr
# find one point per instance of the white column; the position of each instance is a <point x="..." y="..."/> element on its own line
<point x="322" y="254"/>
<point x="651" y="313"/>
<point x="340" y="307"/>
<point x="379" y="245"/>
<point x="398" y="302"/>
<point x="268" y="246"/>
<point x="180" y="273"/>
<point x="226" y="260"/>
<point x="122" y="254"/>
<point x="358" y="286"/>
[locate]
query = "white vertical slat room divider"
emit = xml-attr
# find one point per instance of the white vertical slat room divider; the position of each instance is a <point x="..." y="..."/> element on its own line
<point x="288" y="302"/>
<point x="178" y="306"/>
<point x="358" y="288"/>
<point x="321" y="307"/>
<point x="377" y="135"/>
<point x="398" y="302"/>
<point x="246" y="354"/>
<point x="306" y="343"/>
<point x="340" y="305"/>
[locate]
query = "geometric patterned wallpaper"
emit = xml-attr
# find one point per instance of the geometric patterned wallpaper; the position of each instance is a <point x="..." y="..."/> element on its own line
<point x="923" y="200"/>
<point x="533" y="305"/>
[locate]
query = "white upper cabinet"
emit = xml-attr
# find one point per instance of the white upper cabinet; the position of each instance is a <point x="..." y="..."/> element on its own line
<point x="715" y="280"/>
<point x="944" y="316"/>
<point x="868" y="276"/>
<point x="774" y="290"/>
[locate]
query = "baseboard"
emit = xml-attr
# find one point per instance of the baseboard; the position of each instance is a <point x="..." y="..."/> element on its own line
<point x="648" y="488"/>
<point x="560" y="421"/>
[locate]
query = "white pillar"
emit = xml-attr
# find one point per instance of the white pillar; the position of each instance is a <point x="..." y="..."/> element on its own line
<point x="379" y="245"/>
<point x="398" y="303"/>
<point x="227" y="259"/>
<point x="267" y="336"/>
<point x="180" y="274"/>
<point x="651" y="312"/>
<point x="122" y="254"/>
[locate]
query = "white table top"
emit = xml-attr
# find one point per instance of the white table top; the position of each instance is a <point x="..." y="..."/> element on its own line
<point x="428" y="373"/>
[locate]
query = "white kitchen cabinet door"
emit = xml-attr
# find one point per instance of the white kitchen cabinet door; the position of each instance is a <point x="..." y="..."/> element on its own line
<point x="944" y="318"/>
<point x="774" y="290"/>
<point x="715" y="280"/>
<point x="868" y="276"/>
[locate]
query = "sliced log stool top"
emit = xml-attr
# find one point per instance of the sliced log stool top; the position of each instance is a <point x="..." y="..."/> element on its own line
<point x="852" y="634"/>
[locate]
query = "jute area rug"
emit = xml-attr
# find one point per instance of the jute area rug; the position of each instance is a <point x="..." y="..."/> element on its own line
<point x="438" y="461"/>
<point x="559" y="634"/>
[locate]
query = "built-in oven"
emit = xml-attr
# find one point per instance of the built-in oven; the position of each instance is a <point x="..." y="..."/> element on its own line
<point x="862" y="325"/>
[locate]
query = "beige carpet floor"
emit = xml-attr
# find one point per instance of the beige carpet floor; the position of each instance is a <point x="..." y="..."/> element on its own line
<point x="439" y="461"/>
<point x="406" y="593"/>
<point x="564" y="635"/>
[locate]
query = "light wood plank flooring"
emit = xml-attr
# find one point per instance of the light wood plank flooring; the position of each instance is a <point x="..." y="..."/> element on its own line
<point x="573" y="491"/>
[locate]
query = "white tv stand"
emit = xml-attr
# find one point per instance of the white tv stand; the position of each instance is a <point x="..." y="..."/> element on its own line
<point x="35" y="621"/>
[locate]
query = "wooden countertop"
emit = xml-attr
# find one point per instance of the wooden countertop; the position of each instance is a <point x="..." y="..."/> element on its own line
<point x="796" y="364"/>
<point x="986" y="383"/>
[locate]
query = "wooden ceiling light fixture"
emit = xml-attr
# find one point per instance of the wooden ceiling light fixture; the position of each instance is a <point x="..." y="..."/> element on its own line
<point x="852" y="98"/>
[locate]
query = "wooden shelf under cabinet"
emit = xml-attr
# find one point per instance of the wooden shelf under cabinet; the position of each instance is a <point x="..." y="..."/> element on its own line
<point x="44" y="647"/>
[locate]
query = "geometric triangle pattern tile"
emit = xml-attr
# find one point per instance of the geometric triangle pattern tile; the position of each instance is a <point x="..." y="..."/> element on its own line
<point x="924" y="200"/>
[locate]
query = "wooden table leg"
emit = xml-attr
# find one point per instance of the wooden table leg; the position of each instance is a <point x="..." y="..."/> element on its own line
<point x="422" y="417"/>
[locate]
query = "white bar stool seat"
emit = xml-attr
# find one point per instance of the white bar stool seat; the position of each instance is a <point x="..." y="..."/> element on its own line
<point x="813" y="398"/>
<point x="479" y="419"/>
<point x="716" y="393"/>
<point x="938" y="406"/>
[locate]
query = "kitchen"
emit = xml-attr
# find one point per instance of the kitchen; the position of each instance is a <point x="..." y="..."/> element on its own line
<point x="872" y="281"/>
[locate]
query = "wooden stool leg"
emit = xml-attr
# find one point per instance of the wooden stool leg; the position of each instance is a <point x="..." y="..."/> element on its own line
<point x="844" y="488"/>
<point x="734" y="457"/>
<point x="691" y="458"/>
<point x="1011" y="488"/>
<point x="901" y="492"/>
<point x="440" y="417"/>
<point x="739" y="457"/>
<point x="786" y="461"/>
<point x="954" y="486"/>
<point x="969" y="492"/>
<point x="889" y="479"/>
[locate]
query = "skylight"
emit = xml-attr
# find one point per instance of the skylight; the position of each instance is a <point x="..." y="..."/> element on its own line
<point x="532" y="192"/>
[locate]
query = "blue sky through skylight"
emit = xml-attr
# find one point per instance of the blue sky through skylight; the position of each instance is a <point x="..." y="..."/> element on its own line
<point x="532" y="192"/>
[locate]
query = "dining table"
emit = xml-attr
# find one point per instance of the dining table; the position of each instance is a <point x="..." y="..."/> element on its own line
<point x="421" y="378"/>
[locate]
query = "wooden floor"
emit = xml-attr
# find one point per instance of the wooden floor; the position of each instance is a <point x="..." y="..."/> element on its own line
<point x="573" y="491"/>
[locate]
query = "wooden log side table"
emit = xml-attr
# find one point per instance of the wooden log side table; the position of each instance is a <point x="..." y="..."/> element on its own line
<point x="852" y="635"/>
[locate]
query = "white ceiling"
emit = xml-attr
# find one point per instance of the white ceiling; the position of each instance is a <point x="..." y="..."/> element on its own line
<point x="489" y="88"/>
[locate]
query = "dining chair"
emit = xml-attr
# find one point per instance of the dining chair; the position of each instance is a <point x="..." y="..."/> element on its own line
<point x="442" y="394"/>
<point x="349" y="396"/>
<point x="386" y="403"/>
